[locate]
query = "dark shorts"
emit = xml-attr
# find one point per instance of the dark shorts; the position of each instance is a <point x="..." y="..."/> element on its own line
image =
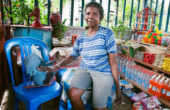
<point x="102" y="85"/>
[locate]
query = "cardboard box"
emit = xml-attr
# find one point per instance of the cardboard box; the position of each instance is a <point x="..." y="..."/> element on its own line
<point x="62" y="52"/>
<point x="126" y="86"/>
<point x="129" y="50"/>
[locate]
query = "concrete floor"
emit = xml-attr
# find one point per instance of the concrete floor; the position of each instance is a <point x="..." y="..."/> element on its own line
<point x="8" y="104"/>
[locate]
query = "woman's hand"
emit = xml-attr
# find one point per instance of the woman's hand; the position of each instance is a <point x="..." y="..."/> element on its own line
<point x="49" y="69"/>
<point x="118" y="97"/>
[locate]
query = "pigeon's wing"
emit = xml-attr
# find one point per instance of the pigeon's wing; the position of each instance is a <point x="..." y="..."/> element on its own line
<point x="32" y="62"/>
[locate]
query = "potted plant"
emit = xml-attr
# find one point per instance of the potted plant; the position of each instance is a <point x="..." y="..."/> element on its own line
<point x="120" y="30"/>
<point x="59" y="30"/>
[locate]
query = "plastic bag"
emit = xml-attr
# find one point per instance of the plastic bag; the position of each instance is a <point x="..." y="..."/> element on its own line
<point x="150" y="102"/>
<point x="139" y="96"/>
<point x="137" y="106"/>
<point x="129" y="93"/>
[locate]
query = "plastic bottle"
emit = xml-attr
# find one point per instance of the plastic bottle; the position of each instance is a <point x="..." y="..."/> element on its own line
<point x="127" y="71"/>
<point x="124" y="66"/>
<point x="133" y="63"/>
<point x="155" y="84"/>
<point x="148" y="81"/>
<point x="167" y="97"/>
<point x="132" y="73"/>
<point x="159" y="87"/>
<point x="121" y="64"/>
<point x="112" y="94"/>
<point x="163" y="92"/>
<point x="119" y="58"/>
<point x="144" y="79"/>
<point x="151" y="83"/>
<point x="140" y="76"/>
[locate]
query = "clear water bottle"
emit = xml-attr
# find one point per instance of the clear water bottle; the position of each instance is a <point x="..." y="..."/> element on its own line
<point x="128" y="62"/>
<point x="133" y="63"/>
<point x="121" y="65"/>
<point x="124" y="66"/>
<point x="112" y="95"/>
<point x="132" y="73"/>
<point x="139" y="76"/>
<point x="148" y="80"/>
<point x="127" y="71"/>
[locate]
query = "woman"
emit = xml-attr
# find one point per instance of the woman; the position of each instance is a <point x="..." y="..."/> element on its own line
<point x="98" y="67"/>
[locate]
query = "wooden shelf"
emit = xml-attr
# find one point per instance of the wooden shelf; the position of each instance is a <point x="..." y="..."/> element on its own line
<point x="152" y="45"/>
<point x="162" y="100"/>
<point x="150" y="65"/>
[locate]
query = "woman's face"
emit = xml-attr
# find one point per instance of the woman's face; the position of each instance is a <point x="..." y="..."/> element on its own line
<point x="92" y="16"/>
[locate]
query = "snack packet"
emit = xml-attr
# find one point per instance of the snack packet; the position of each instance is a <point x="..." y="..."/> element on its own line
<point x="150" y="102"/>
<point x="139" y="96"/>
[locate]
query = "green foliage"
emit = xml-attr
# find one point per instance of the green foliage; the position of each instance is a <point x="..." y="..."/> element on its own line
<point x="59" y="30"/>
<point x="20" y="12"/>
<point x="120" y="28"/>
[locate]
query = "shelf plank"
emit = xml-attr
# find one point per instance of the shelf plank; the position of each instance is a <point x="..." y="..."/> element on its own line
<point x="162" y="100"/>
<point x="152" y="45"/>
<point x="150" y="65"/>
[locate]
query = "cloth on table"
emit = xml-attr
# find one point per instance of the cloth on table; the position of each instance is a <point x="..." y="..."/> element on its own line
<point x="65" y="76"/>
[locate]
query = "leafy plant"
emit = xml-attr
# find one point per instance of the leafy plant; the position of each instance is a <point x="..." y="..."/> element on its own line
<point x="20" y="12"/>
<point x="59" y="30"/>
<point x="120" y="30"/>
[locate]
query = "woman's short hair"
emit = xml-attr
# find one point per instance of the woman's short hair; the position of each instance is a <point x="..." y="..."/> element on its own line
<point x="97" y="5"/>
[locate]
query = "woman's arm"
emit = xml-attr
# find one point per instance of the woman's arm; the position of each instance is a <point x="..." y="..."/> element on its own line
<point x="114" y="69"/>
<point x="54" y="68"/>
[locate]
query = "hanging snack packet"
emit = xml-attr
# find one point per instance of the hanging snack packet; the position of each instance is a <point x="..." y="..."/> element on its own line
<point x="150" y="102"/>
<point x="139" y="96"/>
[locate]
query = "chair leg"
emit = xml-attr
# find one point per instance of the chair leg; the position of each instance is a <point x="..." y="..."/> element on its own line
<point x="39" y="107"/>
<point x="16" y="103"/>
<point x="32" y="106"/>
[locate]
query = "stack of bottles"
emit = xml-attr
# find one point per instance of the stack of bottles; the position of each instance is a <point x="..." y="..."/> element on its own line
<point x="153" y="38"/>
<point x="148" y="80"/>
<point x="160" y="86"/>
<point x="128" y="68"/>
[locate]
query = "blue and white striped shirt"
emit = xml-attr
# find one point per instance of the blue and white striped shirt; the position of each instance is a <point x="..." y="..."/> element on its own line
<point x="94" y="50"/>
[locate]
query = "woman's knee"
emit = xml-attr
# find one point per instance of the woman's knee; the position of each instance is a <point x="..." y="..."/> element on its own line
<point x="75" y="93"/>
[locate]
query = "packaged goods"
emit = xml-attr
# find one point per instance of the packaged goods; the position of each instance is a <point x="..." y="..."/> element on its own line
<point x="163" y="91"/>
<point x="167" y="97"/>
<point x="151" y="83"/>
<point x="129" y="93"/>
<point x="139" y="96"/>
<point x="137" y="106"/>
<point x="155" y="84"/>
<point x="159" y="87"/>
<point x="150" y="102"/>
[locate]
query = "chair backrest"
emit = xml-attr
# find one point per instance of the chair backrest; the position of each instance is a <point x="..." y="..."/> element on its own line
<point x="25" y="44"/>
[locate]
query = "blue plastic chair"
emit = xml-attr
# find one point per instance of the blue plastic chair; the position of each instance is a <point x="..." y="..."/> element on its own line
<point x="32" y="97"/>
